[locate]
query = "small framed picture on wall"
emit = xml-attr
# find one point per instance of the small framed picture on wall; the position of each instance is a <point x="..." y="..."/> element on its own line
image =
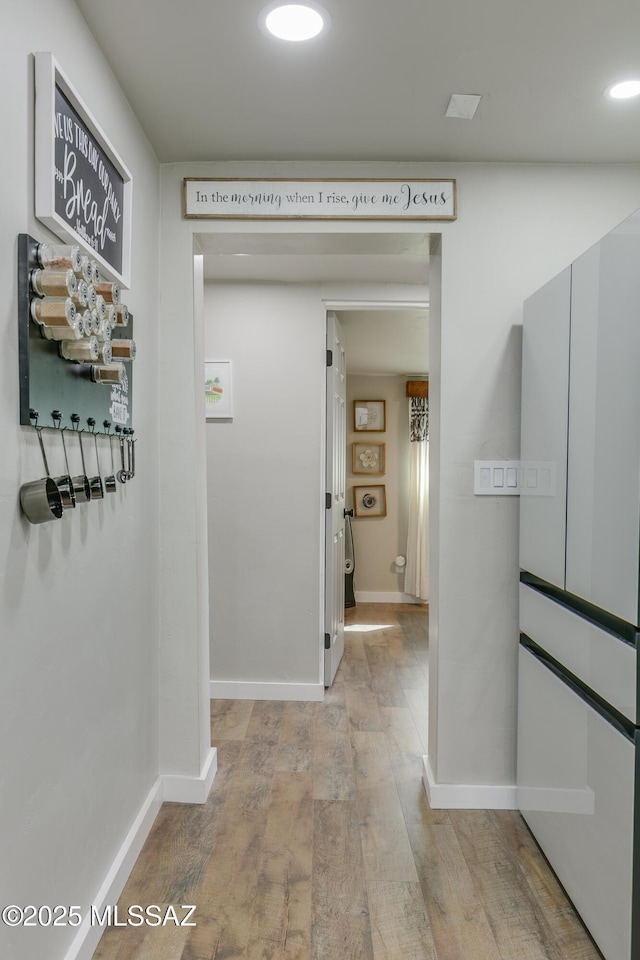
<point x="368" y="458"/>
<point x="369" y="415"/>
<point x="370" y="501"/>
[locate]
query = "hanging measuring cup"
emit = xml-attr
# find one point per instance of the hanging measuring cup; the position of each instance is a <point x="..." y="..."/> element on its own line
<point x="97" y="490"/>
<point x="40" y="499"/>
<point x="110" y="484"/>
<point x="64" y="483"/>
<point x="123" y="474"/>
<point x="81" y="486"/>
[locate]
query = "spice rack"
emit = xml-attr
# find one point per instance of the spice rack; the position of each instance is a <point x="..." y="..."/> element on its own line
<point x="76" y="347"/>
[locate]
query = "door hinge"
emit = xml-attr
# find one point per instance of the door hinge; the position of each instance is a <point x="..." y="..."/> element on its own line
<point x="327" y="641"/>
<point x="328" y="501"/>
<point x="329" y="358"/>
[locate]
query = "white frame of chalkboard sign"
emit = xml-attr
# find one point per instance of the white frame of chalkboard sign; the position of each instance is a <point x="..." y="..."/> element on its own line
<point x="48" y="76"/>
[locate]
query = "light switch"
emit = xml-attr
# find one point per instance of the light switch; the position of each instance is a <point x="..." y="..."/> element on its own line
<point x="496" y="478"/>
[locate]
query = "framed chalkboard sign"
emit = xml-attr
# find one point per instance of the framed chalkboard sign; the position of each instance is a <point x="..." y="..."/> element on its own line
<point x="83" y="189"/>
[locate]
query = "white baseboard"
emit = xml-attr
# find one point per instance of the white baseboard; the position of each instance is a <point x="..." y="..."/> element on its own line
<point x="166" y="788"/>
<point x="191" y="789"/>
<point x="250" y="690"/>
<point x="88" y="935"/>
<point x="379" y="596"/>
<point x="466" y="796"/>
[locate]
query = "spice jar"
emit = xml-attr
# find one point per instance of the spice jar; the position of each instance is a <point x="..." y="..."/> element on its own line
<point x="54" y="311"/>
<point x="58" y="256"/>
<point x="54" y="283"/>
<point x="114" y="373"/>
<point x="80" y="351"/>
<point x="123" y="349"/>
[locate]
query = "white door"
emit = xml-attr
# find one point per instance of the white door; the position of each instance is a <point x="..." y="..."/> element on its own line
<point x="335" y="500"/>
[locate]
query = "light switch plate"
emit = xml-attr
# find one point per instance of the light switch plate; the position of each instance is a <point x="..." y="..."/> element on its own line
<point x="513" y="478"/>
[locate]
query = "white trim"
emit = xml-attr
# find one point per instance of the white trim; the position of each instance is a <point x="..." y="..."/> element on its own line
<point x="257" y="690"/>
<point x="467" y="796"/>
<point x="380" y="596"/>
<point x="165" y="789"/>
<point x="177" y="789"/>
<point x="86" y="939"/>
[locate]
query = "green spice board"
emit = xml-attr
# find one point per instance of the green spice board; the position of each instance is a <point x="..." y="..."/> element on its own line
<point x="48" y="382"/>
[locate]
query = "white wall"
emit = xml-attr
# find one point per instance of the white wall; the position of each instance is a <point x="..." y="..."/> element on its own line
<point x="378" y="541"/>
<point x="517" y="226"/>
<point x="264" y="490"/>
<point x="78" y="597"/>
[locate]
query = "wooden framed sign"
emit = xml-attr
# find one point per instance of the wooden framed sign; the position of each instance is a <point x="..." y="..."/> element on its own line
<point x="277" y="199"/>
<point x="83" y="189"/>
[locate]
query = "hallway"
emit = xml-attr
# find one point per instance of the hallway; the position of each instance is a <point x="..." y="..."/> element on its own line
<point x="317" y="842"/>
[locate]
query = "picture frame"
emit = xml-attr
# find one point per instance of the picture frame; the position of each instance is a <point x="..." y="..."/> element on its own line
<point x="218" y="397"/>
<point x="368" y="458"/>
<point x="370" y="501"/>
<point x="369" y="415"/>
<point x="83" y="190"/>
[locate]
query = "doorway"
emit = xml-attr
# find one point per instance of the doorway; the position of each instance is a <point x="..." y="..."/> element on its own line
<point x="265" y="296"/>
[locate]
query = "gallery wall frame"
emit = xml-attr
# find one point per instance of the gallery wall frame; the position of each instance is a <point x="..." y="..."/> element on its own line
<point x="83" y="190"/>
<point x="370" y="501"/>
<point x="218" y="397"/>
<point x="368" y="458"/>
<point x="369" y="416"/>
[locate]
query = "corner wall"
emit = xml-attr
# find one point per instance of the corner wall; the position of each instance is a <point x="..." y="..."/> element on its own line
<point x="78" y="597"/>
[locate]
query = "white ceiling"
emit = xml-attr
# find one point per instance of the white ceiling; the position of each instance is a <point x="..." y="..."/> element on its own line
<point x="384" y="342"/>
<point x="207" y="84"/>
<point x="316" y="258"/>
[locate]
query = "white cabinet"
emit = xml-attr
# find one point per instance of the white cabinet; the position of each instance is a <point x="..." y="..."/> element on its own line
<point x="545" y="391"/>
<point x="603" y="482"/>
<point x="576" y="792"/>
<point x="579" y="685"/>
<point x="581" y="417"/>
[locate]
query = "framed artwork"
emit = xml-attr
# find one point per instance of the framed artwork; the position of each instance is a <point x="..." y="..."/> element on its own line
<point x="370" y="501"/>
<point x="368" y="458"/>
<point x="82" y="188"/>
<point x="369" y="415"/>
<point x="217" y="390"/>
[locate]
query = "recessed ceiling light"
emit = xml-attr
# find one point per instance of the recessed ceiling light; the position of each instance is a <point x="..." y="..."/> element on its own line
<point x="463" y="106"/>
<point x="622" y="91"/>
<point x="294" y="21"/>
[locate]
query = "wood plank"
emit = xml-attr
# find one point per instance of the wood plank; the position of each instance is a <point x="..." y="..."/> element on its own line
<point x="386" y="850"/>
<point x="568" y="930"/>
<point x="385" y="682"/>
<point x="362" y="707"/>
<point x="295" y="749"/>
<point x="338" y="869"/>
<point x="333" y="776"/>
<point x="516" y="920"/>
<point x="265" y="721"/>
<point x="281" y="925"/>
<point x="230" y="719"/>
<point x="376" y="793"/>
<point x="459" y="923"/>
<point x="399" y="922"/>
<point x="418" y="702"/>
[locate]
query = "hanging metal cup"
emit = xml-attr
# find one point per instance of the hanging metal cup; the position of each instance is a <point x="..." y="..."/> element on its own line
<point x="64" y="483"/>
<point x="97" y="490"/>
<point x="123" y="474"/>
<point x="81" y="486"/>
<point x="110" y="484"/>
<point x="40" y="499"/>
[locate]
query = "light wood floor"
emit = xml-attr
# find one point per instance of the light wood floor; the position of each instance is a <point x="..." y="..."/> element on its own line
<point x="317" y="842"/>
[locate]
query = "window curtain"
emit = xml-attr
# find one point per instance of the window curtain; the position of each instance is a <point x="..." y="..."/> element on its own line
<point x="416" y="579"/>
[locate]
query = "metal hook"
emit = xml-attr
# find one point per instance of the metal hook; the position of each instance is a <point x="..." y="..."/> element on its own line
<point x="44" y="456"/>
